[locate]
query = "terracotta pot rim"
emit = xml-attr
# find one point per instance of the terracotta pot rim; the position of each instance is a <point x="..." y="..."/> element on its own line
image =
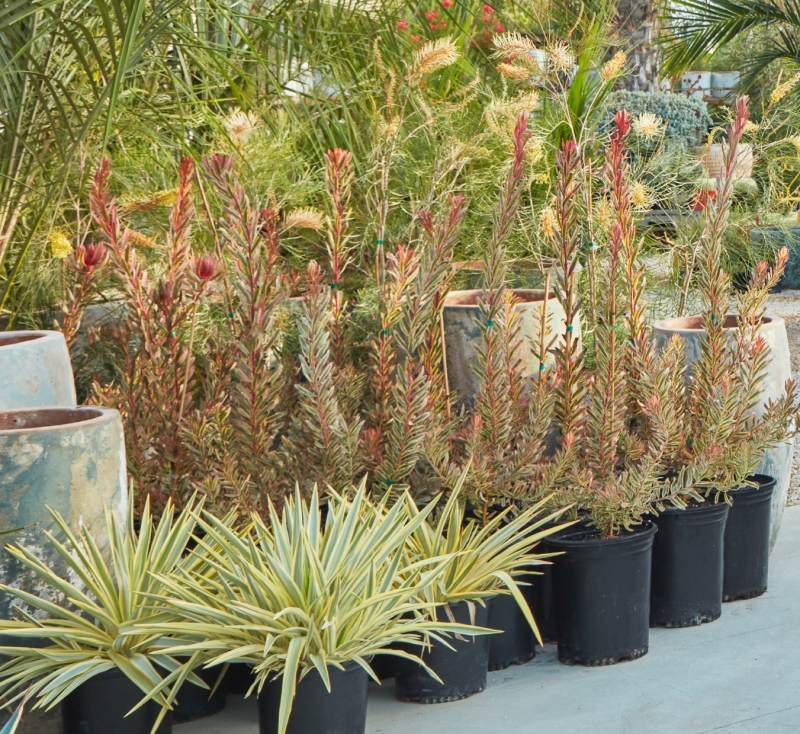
<point x="54" y="418"/>
<point x="13" y="338"/>
<point x="527" y="295"/>
<point x="694" y="324"/>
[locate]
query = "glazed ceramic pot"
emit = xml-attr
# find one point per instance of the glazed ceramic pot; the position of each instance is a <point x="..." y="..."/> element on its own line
<point x="463" y="336"/>
<point x="35" y="371"/>
<point x="69" y="459"/>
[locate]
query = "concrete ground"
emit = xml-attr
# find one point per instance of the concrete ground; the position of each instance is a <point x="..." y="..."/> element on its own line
<point x="738" y="675"/>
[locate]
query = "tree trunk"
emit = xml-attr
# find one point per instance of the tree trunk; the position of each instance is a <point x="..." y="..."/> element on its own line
<point x="638" y="26"/>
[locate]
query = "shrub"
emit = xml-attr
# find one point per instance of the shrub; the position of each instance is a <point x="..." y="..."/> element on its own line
<point x="687" y="119"/>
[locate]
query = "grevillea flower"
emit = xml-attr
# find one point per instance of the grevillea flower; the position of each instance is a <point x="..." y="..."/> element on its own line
<point x="511" y="71"/>
<point x="434" y="27"/>
<point x="90" y="256"/>
<point x="415" y="39"/>
<point x="435" y="55"/>
<point x="402" y="25"/>
<point x="548" y="222"/>
<point x="205" y="268"/>
<point x="305" y="218"/>
<point x="783" y="89"/>
<point x="60" y="245"/>
<point x="431" y="15"/>
<point x="447" y="3"/>
<point x="240" y="125"/>
<point x="647" y="125"/>
<point x="561" y="58"/>
<point x="488" y="9"/>
<point x="613" y="66"/>
<point x="640" y="196"/>
<point x="500" y="28"/>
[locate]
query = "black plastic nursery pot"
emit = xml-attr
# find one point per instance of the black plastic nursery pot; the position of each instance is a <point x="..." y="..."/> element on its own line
<point x="688" y="564"/>
<point x="542" y="586"/>
<point x="516" y="644"/>
<point x="747" y="540"/>
<point x="238" y="678"/>
<point x="462" y="669"/>
<point x="99" y="705"/>
<point x="601" y="596"/>
<point x="315" y="710"/>
<point x="195" y="702"/>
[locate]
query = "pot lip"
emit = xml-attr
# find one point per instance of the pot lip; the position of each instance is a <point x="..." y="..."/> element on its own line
<point x="97" y="415"/>
<point x="10" y="339"/>
<point x="572" y="540"/>
<point x="706" y="508"/>
<point x="766" y="483"/>
<point x="682" y="324"/>
<point x="536" y="296"/>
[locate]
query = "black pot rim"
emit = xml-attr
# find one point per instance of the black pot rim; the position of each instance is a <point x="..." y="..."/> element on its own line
<point x="574" y="540"/>
<point x="710" y="508"/>
<point x="765" y="484"/>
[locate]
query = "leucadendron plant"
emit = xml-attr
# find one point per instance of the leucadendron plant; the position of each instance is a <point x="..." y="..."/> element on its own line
<point x="84" y="634"/>
<point x="716" y="400"/>
<point x="294" y="596"/>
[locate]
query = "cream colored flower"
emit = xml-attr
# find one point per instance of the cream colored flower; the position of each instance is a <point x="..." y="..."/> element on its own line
<point x="139" y="239"/>
<point x="525" y="102"/>
<point x="511" y="45"/>
<point x="240" y="125"/>
<point x="305" y="218"/>
<point x="647" y="125"/>
<point x="613" y="66"/>
<point x="783" y="89"/>
<point x="435" y="55"/>
<point x="511" y="71"/>
<point x="561" y="58"/>
<point x="603" y="215"/>
<point x="795" y="141"/>
<point x="641" y="198"/>
<point x="147" y="203"/>
<point x="750" y="128"/>
<point x="548" y="222"/>
<point x="60" y="245"/>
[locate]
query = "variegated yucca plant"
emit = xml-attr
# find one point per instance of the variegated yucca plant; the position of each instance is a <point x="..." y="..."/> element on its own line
<point x="103" y="594"/>
<point x="293" y="594"/>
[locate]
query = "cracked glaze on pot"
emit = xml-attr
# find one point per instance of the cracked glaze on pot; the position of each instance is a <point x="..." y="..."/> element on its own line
<point x="462" y="334"/>
<point x="35" y="370"/>
<point x="70" y="459"/>
<point x="777" y="462"/>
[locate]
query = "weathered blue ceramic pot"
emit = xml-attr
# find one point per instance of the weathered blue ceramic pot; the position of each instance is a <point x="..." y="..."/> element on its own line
<point x="777" y="462"/>
<point x="70" y="459"/>
<point x="463" y="336"/>
<point x="35" y="370"/>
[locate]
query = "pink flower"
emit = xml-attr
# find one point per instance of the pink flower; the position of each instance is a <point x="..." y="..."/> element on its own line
<point x="442" y="24"/>
<point x="205" y="268"/>
<point x="447" y="3"/>
<point x="90" y="256"/>
<point x="434" y="27"/>
<point x="431" y="14"/>
<point x="500" y="28"/>
<point x="415" y="39"/>
<point x="488" y="9"/>
<point x="487" y="19"/>
<point x="402" y="25"/>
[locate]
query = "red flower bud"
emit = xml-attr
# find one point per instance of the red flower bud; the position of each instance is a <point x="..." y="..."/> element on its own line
<point x="431" y="14"/>
<point x="90" y="256"/>
<point x="434" y="27"/>
<point x="415" y="39"/>
<point x="205" y="268"/>
<point x="447" y="3"/>
<point x="488" y="9"/>
<point x="500" y="28"/>
<point x="402" y="25"/>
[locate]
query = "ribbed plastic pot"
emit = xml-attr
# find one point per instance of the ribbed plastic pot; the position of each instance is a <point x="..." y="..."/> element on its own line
<point x="688" y="564"/>
<point x="195" y="702"/>
<point x="601" y="595"/>
<point x="777" y="462"/>
<point x="100" y="705"/>
<point x="516" y="645"/>
<point x="462" y="670"/>
<point x="747" y="540"/>
<point x="463" y="336"/>
<point x="315" y="710"/>
<point x="70" y="459"/>
<point x="35" y="371"/>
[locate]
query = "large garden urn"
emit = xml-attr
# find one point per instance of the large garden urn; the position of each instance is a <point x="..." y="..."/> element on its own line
<point x="69" y="459"/>
<point x="463" y="337"/>
<point x="35" y="370"/>
<point x="777" y="462"/>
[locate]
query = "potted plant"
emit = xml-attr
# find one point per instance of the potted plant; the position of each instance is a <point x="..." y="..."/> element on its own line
<point x="486" y="562"/>
<point x="601" y="584"/>
<point x="307" y="603"/>
<point x="102" y="675"/>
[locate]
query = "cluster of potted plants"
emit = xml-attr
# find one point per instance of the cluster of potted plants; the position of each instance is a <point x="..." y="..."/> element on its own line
<point x="646" y="445"/>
